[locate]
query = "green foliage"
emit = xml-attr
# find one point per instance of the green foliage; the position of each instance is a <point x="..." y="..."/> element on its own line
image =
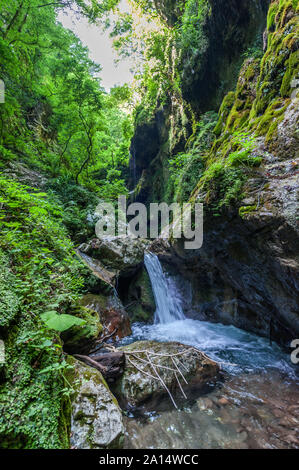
<point x="60" y="322"/>
<point x="192" y="40"/>
<point x="186" y="169"/>
<point x="42" y="273"/>
<point x="9" y="303"/>
<point x="57" y="120"/>
<point x="244" y="156"/>
<point x="224" y="178"/>
<point x="56" y="116"/>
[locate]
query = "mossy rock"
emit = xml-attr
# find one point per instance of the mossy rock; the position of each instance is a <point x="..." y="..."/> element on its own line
<point x="78" y="338"/>
<point x="96" y="421"/>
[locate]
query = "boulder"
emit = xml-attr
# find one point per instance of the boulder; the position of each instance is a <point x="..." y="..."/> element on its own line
<point x="139" y="384"/>
<point x="82" y="338"/>
<point x="98" y="270"/>
<point x="122" y="254"/>
<point x="113" y="316"/>
<point x="105" y="318"/>
<point x="96" y="419"/>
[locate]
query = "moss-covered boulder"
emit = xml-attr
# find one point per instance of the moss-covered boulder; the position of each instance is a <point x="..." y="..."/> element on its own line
<point x="140" y="381"/>
<point x="79" y="338"/>
<point x="96" y="419"/>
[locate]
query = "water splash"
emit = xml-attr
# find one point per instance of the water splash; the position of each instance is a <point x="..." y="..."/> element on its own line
<point x="168" y="303"/>
<point x="237" y="350"/>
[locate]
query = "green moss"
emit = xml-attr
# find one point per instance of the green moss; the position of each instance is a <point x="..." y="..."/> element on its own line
<point x="224" y="111"/>
<point x="244" y="210"/>
<point x="291" y="73"/>
<point x="267" y="124"/>
<point x="78" y="336"/>
<point x="271" y="15"/>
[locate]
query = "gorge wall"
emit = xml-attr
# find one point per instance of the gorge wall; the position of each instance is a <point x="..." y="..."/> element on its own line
<point x="242" y="164"/>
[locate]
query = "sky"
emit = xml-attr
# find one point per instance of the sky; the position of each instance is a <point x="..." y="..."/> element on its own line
<point x="100" y="48"/>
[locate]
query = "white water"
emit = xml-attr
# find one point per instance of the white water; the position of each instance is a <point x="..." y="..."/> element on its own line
<point x="261" y="385"/>
<point x="237" y="350"/>
<point x="167" y="302"/>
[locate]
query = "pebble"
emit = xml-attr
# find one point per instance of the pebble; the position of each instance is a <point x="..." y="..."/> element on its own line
<point x="223" y="401"/>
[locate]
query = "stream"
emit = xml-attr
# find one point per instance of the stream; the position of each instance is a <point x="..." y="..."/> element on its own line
<point x="254" y="405"/>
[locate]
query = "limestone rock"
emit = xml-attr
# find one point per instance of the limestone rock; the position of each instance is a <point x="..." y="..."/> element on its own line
<point x="123" y="254"/>
<point x="136" y="387"/>
<point x="96" y="419"/>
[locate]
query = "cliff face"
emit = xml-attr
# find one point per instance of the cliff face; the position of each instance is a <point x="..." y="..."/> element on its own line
<point x="205" y="58"/>
<point x="246" y="273"/>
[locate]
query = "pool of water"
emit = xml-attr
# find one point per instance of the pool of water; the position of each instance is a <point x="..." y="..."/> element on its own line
<point x="256" y="404"/>
<point x="237" y="350"/>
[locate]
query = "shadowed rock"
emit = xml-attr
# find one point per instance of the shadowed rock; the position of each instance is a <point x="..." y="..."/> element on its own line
<point x="171" y="364"/>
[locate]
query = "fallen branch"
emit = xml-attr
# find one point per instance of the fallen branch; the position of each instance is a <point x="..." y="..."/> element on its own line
<point x="95" y="364"/>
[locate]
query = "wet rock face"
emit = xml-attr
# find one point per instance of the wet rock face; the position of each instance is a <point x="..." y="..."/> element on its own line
<point x="96" y="421"/>
<point x="247" y="271"/>
<point x="246" y="274"/>
<point x="170" y="361"/>
<point x="113" y="316"/>
<point x="138" y="297"/>
<point x="230" y="28"/>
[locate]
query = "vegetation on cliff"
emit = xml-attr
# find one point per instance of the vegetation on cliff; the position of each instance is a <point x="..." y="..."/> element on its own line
<point x="212" y="98"/>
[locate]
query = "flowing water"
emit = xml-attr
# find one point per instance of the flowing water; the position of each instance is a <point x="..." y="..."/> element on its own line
<point x="256" y="406"/>
<point x="168" y="304"/>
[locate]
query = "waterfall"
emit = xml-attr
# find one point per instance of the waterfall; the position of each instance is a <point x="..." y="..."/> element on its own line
<point x="168" y="305"/>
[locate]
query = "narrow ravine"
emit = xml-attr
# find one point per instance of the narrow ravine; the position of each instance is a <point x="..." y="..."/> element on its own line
<point x="255" y="405"/>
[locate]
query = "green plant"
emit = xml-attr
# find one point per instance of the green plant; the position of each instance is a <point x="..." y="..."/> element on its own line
<point x="41" y="272"/>
<point x="60" y="322"/>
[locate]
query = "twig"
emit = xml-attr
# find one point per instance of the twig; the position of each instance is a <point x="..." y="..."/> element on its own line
<point x="162" y="355"/>
<point x="140" y="370"/>
<point x="102" y="340"/>
<point x="182" y="375"/>
<point x="183" y="393"/>
<point x="162" y="381"/>
<point x="149" y="363"/>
